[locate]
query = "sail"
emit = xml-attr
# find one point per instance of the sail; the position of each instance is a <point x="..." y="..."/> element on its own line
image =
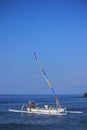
<point x="46" y="78"/>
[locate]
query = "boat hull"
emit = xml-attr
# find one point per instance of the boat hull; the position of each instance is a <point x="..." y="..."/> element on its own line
<point x="40" y="111"/>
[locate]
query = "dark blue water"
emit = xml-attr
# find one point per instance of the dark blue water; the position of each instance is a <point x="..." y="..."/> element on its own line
<point x="25" y="121"/>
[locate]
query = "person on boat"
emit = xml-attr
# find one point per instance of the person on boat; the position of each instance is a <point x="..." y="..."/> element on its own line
<point x="46" y="106"/>
<point x="31" y="105"/>
<point x="51" y="106"/>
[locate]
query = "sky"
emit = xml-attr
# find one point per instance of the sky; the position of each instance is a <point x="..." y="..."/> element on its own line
<point x="57" y="31"/>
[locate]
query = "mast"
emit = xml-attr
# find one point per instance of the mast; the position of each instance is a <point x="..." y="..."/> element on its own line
<point x="46" y="78"/>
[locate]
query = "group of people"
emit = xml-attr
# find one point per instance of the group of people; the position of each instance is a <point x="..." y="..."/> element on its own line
<point x="32" y="105"/>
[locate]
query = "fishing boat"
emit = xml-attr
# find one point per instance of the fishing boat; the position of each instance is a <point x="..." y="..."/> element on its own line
<point x="41" y="111"/>
<point x="33" y="109"/>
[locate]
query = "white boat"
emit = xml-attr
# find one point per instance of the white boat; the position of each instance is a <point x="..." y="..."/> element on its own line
<point x="42" y="111"/>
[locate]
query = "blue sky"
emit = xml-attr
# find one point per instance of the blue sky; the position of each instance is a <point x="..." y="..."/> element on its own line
<point x="57" y="31"/>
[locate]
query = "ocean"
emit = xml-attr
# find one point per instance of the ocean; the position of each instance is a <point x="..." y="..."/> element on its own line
<point x="25" y="121"/>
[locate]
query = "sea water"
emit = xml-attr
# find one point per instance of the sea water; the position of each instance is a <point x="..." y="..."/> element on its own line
<point x="26" y="121"/>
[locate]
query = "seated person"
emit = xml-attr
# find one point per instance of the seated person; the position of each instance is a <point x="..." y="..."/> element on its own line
<point x="46" y="106"/>
<point x="31" y="105"/>
<point x="51" y="106"/>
